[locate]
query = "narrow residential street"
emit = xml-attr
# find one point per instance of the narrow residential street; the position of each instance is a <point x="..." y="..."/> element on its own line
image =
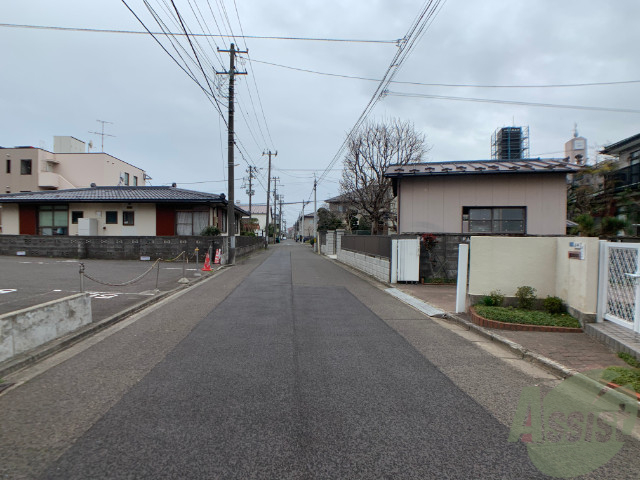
<point x="284" y="366"/>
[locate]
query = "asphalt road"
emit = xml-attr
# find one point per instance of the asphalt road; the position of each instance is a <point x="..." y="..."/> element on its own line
<point x="28" y="281"/>
<point x="286" y="366"/>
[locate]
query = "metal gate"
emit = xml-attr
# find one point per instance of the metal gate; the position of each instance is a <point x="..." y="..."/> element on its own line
<point x="619" y="285"/>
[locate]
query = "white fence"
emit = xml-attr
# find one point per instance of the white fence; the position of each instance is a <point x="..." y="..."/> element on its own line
<point x="619" y="284"/>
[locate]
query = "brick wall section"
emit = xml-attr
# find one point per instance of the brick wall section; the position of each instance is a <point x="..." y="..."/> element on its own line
<point x="485" y="322"/>
<point x="377" y="267"/>
<point x="119" y="248"/>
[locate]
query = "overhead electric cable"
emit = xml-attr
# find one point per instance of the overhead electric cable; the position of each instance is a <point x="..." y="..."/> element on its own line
<point x="455" y="85"/>
<point x="136" y="32"/>
<point x="513" y="102"/>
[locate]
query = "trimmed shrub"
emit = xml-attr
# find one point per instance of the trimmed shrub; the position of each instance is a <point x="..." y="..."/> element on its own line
<point x="526" y="295"/>
<point x="554" y="305"/>
<point x="210" y="231"/>
<point x="494" y="299"/>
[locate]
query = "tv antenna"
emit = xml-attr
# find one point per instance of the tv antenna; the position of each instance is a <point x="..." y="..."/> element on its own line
<point x="102" y="134"/>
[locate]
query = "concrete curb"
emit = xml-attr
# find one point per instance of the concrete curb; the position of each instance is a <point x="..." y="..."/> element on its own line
<point x="54" y="346"/>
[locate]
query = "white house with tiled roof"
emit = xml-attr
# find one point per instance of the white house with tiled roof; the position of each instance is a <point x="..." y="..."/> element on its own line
<point x="527" y="196"/>
<point x="114" y="211"/>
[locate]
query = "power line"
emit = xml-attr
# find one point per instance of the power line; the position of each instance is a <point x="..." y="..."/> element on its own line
<point x="416" y="31"/>
<point x="512" y="102"/>
<point x="454" y="85"/>
<point x="136" y="32"/>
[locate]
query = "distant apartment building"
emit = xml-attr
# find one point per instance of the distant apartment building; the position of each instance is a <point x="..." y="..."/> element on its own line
<point x="30" y="169"/>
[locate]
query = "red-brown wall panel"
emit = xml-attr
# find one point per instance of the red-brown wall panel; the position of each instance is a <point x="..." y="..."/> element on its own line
<point x="28" y="216"/>
<point x="165" y="221"/>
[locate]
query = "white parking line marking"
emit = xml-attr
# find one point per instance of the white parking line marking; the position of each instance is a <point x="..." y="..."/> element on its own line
<point x="7" y="290"/>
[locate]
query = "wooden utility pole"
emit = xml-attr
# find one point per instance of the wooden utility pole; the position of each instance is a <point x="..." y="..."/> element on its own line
<point x="231" y="208"/>
<point x="266" y="233"/>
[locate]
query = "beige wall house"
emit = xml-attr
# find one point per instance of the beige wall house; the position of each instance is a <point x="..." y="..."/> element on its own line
<point x="259" y="212"/>
<point x="29" y="169"/>
<point x="490" y="197"/>
<point x="114" y="211"/>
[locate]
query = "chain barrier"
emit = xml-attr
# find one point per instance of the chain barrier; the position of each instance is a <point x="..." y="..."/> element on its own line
<point x="183" y="255"/>
<point x="84" y="274"/>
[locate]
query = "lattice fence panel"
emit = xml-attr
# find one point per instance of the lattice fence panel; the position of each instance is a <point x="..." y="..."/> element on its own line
<point x="621" y="289"/>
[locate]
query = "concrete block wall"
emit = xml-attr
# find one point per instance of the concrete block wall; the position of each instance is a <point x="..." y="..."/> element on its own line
<point x="26" y="329"/>
<point x="119" y="248"/>
<point x="377" y="267"/>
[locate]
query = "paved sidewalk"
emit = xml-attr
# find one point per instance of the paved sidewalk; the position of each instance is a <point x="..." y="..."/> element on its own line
<point x="575" y="351"/>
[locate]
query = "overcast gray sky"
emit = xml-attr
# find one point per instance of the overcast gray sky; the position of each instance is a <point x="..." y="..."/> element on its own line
<point x="61" y="82"/>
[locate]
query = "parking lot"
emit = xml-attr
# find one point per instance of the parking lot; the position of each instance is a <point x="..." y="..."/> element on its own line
<point x="29" y="281"/>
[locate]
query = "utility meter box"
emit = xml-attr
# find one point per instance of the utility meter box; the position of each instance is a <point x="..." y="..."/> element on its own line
<point x="87" y="227"/>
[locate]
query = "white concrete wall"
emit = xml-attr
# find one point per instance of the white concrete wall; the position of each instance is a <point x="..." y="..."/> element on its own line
<point x="23" y="330"/>
<point x="506" y="263"/>
<point x="375" y="266"/>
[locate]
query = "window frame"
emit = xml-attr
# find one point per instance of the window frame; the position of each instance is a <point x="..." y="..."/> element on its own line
<point x="127" y="213"/>
<point x="126" y="179"/>
<point x="26" y="164"/>
<point x="107" y="220"/>
<point x="75" y="216"/>
<point x="492" y="220"/>
<point x="54" y="229"/>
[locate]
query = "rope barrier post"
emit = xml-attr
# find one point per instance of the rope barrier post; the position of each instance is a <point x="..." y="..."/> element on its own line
<point x="184" y="278"/>
<point x="81" y="278"/>
<point x="197" y="250"/>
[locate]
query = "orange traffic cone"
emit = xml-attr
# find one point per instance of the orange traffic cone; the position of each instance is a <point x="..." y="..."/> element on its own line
<point x="217" y="259"/>
<point x="207" y="264"/>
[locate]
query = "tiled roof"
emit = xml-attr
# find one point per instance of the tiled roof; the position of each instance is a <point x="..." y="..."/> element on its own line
<point x="475" y="167"/>
<point x="339" y="199"/>
<point x="114" y="194"/>
<point x="255" y="209"/>
<point x="621" y="145"/>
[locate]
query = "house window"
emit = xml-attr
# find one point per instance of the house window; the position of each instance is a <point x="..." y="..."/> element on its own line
<point x="191" y="223"/>
<point x="8" y="166"/>
<point x="126" y="178"/>
<point x="493" y="220"/>
<point x="25" y="167"/>
<point x="53" y="220"/>
<point x="135" y="181"/>
<point x="111" y="217"/>
<point x="128" y="218"/>
<point x="75" y="215"/>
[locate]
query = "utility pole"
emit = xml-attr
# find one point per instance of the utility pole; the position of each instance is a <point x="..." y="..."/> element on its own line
<point x="250" y="192"/>
<point x="231" y="212"/>
<point x="275" y="205"/>
<point x="268" y="194"/>
<point x="280" y="218"/>
<point x="102" y="134"/>
<point x="315" y="212"/>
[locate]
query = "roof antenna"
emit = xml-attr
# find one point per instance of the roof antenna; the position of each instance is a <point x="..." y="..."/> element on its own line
<point x="575" y="130"/>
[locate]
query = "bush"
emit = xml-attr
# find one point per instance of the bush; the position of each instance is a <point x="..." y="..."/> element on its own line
<point x="210" y="231"/>
<point x="312" y="241"/>
<point x="526" y="295"/>
<point x="494" y="299"/>
<point x="554" y="305"/>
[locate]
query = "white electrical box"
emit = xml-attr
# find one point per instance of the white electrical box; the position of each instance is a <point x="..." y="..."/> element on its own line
<point x="87" y="227"/>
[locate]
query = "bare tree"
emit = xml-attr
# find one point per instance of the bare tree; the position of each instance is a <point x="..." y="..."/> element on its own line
<point x="370" y="151"/>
